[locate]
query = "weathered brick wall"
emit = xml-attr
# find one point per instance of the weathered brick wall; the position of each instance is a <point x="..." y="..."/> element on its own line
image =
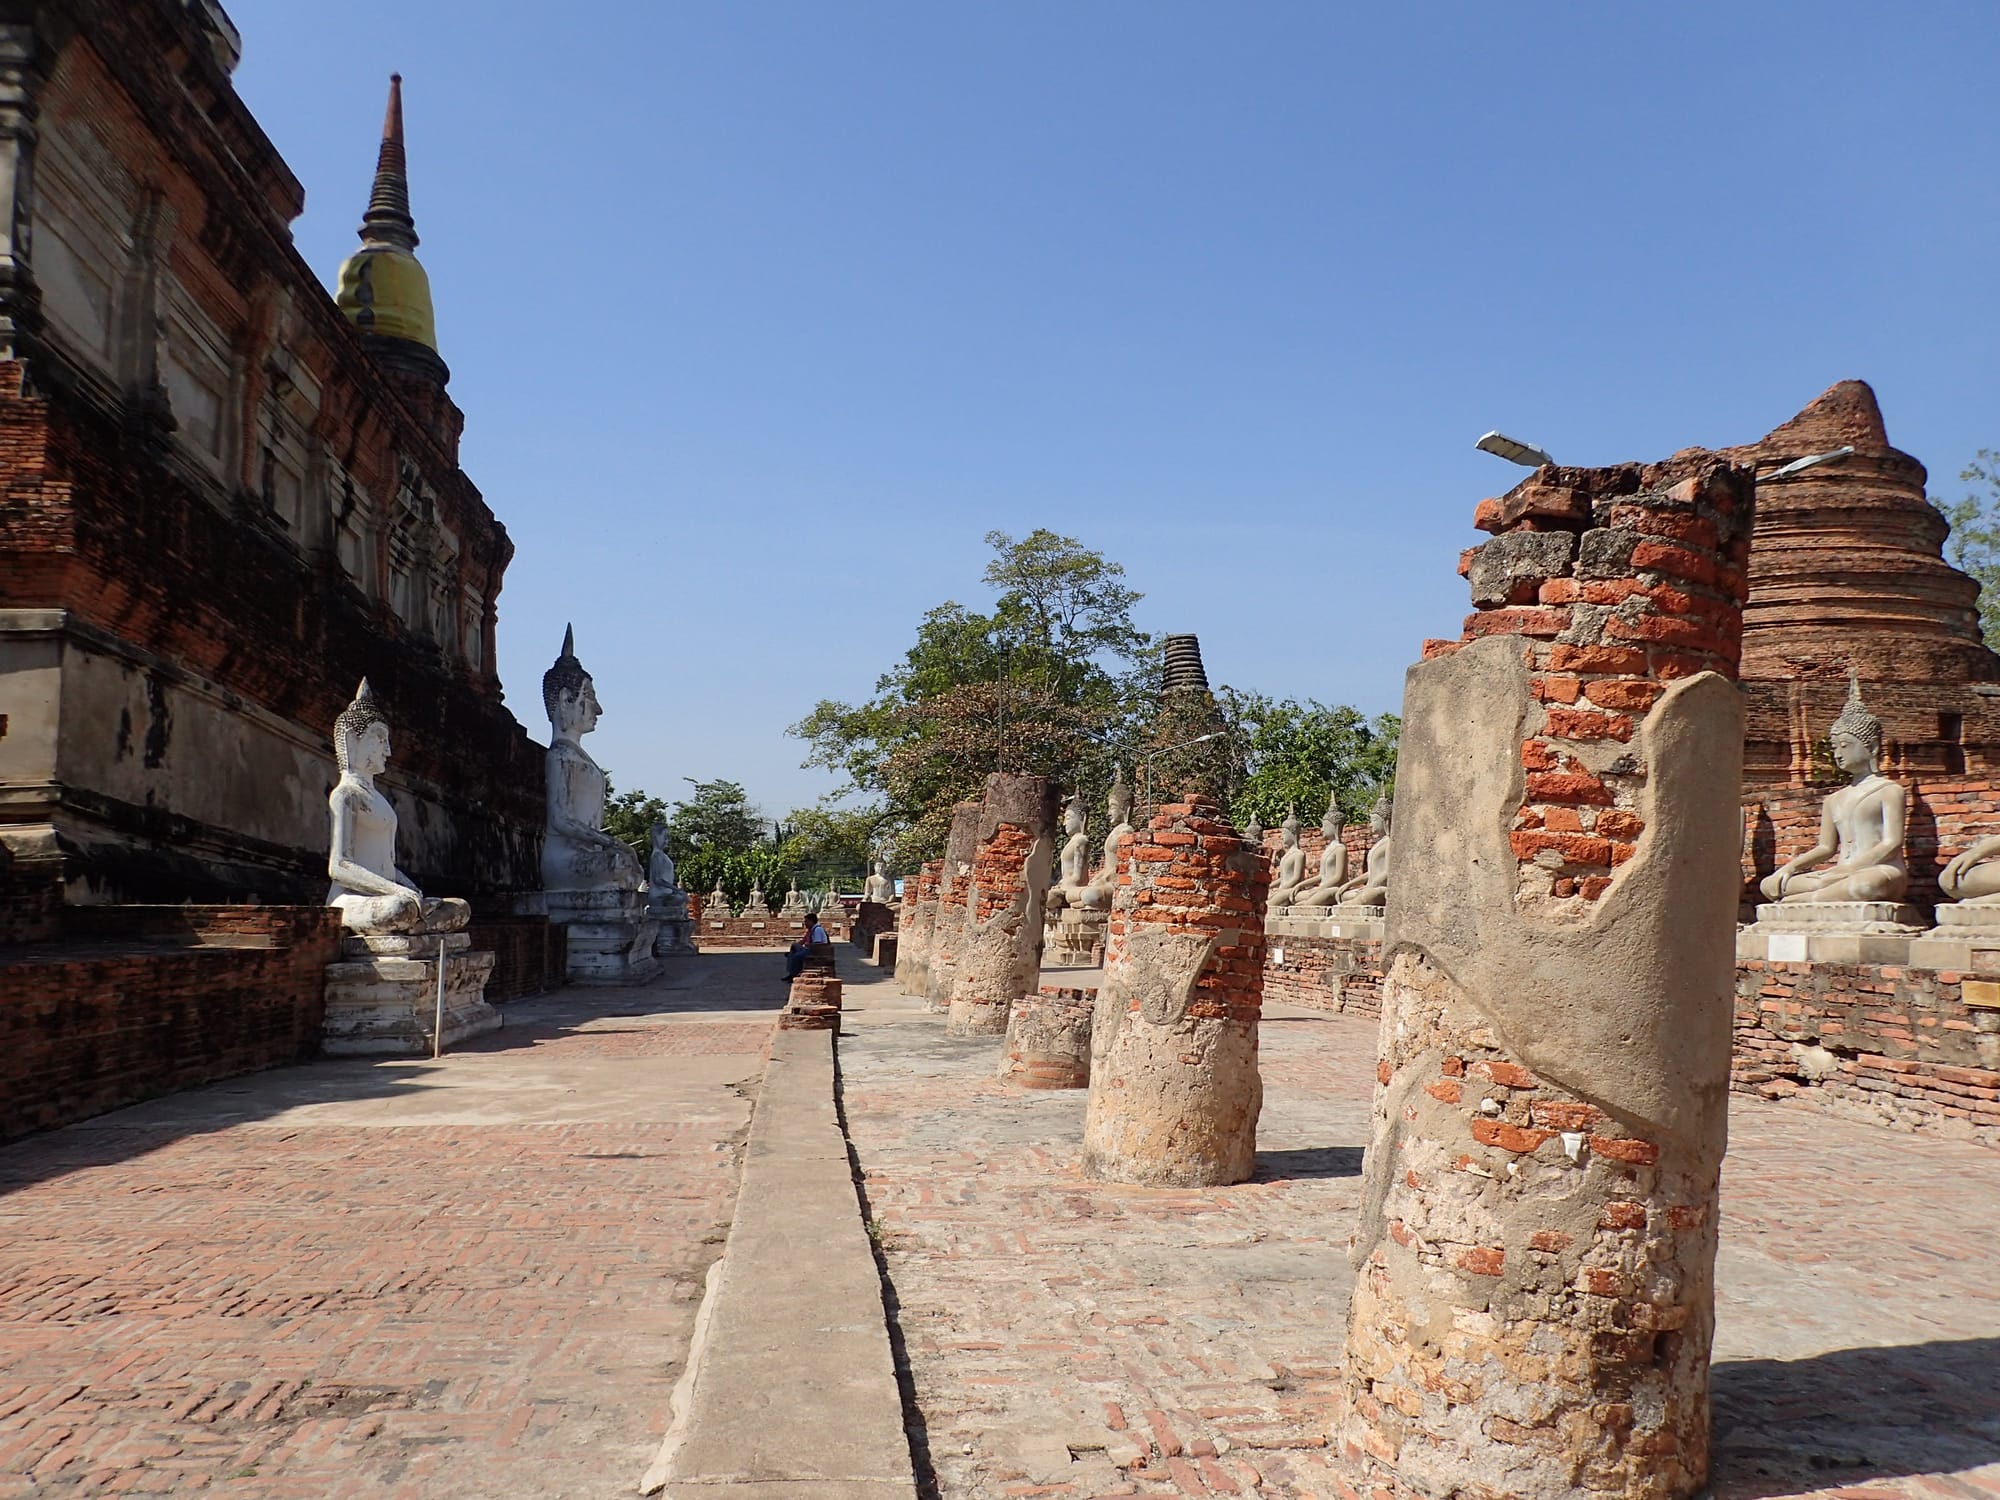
<point x="762" y="932"/>
<point x="1341" y="976"/>
<point x="1894" y="1045"/>
<point x="93" y="1022"/>
<point x="215" y="597"/>
<point x="530" y="955"/>
<point x="30" y="898"/>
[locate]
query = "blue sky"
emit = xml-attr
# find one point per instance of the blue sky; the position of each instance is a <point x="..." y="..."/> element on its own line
<point x="763" y="314"/>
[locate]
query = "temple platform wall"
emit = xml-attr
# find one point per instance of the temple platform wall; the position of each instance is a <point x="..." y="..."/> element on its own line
<point x="135" y="1002"/>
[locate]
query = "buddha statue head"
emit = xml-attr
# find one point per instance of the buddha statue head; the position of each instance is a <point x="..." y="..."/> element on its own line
<point x="1331" y="823"/>
<point x="568" y="694"/>
<point x="1856" y="735"/>
<point x="1254" y="834"/>
<point x="1289" y="829"/>
<point x="1119" y="804"/>
<point x="1073" y="814"/>
<point x="1379" y="819"/>
<point x="361" y="735"/>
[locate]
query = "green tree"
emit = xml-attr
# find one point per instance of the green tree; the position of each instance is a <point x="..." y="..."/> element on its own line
<point x="718" y="816"/>
<point x="832" y="845"/>
<point x="1975" y="536"/>
<point x="1300" y="754"/>
<point x="1054" y="678"/>
<point x="629" y="817"/>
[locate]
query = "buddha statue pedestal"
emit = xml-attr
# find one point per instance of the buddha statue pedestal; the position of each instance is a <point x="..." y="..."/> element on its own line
<point x="1074" y="938"/>
<point x="1360" y="922"/>
<point x="1832" y="932"/>
<point x="381" y="997"/>
<point x="612" y="936"/>
<point x="676" y="936"/>
<point x="1967" y="937"/>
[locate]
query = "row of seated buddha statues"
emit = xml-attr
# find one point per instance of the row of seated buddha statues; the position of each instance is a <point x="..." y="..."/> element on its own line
<point x="1079" y="903"/>
<point x="1854" y="880"/>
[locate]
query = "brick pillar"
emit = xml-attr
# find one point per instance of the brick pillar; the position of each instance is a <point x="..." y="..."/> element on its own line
<point x="813" y="1003"/>
<point x="1534" y="1300"/>
<point x="913" y="936"/>
<point x="1000" y="954"/>
<point x="1048" y="1039"/>
<point x="954" y="883"/>
<point x="1174" y="1088"/>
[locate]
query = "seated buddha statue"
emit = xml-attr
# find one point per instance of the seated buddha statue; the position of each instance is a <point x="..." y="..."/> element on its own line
<point x="372" y="894"/>
<point x="1324" y="889"/>
<point x="1118" y="805"/>
<point x="1861" y="825"/>
<point x="1371" y="886"/>
<point x="577" y="854"/>
<point x="1289" y="878"/>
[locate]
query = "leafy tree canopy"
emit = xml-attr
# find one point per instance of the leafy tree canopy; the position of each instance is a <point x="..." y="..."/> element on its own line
<point x="718" y="816"/>
<point x="1299" y="754"/>
<point x="1053" y="678"/>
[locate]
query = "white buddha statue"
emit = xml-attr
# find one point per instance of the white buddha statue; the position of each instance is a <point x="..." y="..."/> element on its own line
<point x="1118" y="807"/>
<point x="577" y="854"/>
<point x="1860" y="826"/>
<point x="716" y="902"/>
<point x="1324" y="888"/>
<point x="372" y="894"/>
<point x="1291" y="872"/>
<point x="1076" y="847"/>
<point x="1371" y="886"/>
<point x="880" y="888"/>
<point x="663" y="893"/>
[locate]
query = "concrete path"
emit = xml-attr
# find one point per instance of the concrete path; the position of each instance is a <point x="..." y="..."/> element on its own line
<point x="1070" y="1339"/>
<point x="475" y="1278"/>
<point x="794" y="1388"/>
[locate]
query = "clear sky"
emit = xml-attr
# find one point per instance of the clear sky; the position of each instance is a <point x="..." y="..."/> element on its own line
<point x="763" y="314"/>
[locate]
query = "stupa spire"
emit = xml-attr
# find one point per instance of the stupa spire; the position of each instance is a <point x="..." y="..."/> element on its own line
<point x="388" y="220"/>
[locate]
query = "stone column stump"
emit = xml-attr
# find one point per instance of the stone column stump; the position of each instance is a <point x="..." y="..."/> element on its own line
<point x="954" y="884"/>
<point x="1534" y="1302"/>
<point x="1000" y="952"/>
<point x="1174" y="1087"/>
<point x="813" y="1004"/>
<point x="1048" y="1039"/>
<point x="919" y="921"/>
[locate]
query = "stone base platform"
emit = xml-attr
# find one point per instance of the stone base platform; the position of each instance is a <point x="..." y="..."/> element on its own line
<point x="1074" y="936"/>
<point x="611" y="935"/>
<point x="1833" y="932"/>
<point x="381" y="997"/>
<point x="1360" y="922"/>
<point x="1966" y="938"/>
<point x="676" y="937"/>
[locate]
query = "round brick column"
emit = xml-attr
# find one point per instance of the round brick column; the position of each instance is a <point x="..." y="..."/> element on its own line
<point x="919" y="922"/>
<point x="1174" y="1087"/>
<point x="1000" y="950"/>
<point x="1048" y="1039"/>
<point x="954" y="883"/>
<point x="1534" y="1300"/>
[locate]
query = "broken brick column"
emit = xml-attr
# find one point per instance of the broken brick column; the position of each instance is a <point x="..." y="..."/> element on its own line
<point x="1534" y="1302"/>
<point x="813" y="1002"/>
<point x="913" y="933"/>
<point x="954" y="882"/>
<point x="1000" y="950"/>
<point x="1174" y="1087"/>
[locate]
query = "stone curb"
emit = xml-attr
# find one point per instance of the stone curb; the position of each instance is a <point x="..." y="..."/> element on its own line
<point x="790" y="1390"/>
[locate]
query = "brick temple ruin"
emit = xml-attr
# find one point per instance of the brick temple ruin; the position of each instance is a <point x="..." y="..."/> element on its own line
<point x="231" y="497"/>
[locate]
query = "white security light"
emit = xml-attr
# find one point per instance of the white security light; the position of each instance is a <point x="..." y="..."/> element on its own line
<point x="1527" y="455"/>
<point x="1810" y="461"/>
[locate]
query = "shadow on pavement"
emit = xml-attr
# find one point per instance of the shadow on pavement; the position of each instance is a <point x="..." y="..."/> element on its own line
<point x="1835" y="1419"/>
<point x="1308" y="1161"/>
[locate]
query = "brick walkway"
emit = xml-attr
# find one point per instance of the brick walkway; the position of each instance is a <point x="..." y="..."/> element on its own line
<point x="1057" y="1329"/>
<point x="387" y="1280"/>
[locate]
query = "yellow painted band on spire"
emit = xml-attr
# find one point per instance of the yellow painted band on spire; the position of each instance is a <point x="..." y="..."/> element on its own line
<point x="384" y="291"/>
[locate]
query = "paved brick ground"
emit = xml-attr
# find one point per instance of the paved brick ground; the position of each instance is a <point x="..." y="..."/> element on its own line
<point x="1051" y="1323"/>
<point x="468" y="1279"/>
